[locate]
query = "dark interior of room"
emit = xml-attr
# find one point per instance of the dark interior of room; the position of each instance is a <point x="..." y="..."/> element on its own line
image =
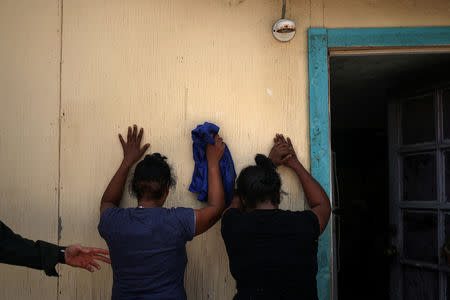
<point x="360" y="88"/>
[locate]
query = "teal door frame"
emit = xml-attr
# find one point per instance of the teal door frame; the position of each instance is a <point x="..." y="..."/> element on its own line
<point x="319" y="42"/>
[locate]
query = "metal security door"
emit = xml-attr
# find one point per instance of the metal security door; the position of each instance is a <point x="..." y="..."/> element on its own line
<point x="419" y="136"/>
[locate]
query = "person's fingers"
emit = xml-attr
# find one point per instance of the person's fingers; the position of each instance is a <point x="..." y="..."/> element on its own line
<point x="286" y="158"/>
<point x="282" y="145"/>
<point x="121" y="140"/>
<point x="139" y="137"/>
<point x="280" y="138"/>
<point x="144" y="148"/>
<point x="96" y="265"/>
<point x="289" y="142"/>
<point x="218" y="140"/>
<point x="284" y="151"/>
<point x="133" y="135"/>
<point x="102" y="258"/>
<point x="129" y="134"/>
<point x="99" y="251"/>
<point x="89" y="268"/>
<point x="222" y="147"/>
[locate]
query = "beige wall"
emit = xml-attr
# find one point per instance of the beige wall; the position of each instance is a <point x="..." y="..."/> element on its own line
<point x="166" y="66"/>
<point x="29" y="104"/>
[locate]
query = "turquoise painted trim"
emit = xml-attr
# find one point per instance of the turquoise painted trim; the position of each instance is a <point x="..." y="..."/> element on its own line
<point x="395" y="37"/>
<point x="319" y="40"/>
<point x="320" y="147"/>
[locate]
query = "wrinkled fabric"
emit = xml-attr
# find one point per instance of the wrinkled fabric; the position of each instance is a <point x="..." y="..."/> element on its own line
<point x="201" y="136"/>
<point x="272" y="253"/>
<point x="148" y="251"/>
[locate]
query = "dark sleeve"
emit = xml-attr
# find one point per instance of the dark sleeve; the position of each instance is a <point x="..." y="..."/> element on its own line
<point x="16" y="250"/>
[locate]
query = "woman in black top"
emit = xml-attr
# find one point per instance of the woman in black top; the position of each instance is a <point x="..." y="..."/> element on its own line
<point x="273" y="252"/>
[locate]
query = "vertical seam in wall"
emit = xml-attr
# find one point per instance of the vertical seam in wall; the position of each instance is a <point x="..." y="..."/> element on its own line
<point x="60" y="7"/>
<point x="323" y="13"/>
<point x="310" y="14"/>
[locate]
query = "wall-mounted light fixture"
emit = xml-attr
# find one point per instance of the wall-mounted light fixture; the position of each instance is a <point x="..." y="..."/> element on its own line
<point x="283" y="29"/>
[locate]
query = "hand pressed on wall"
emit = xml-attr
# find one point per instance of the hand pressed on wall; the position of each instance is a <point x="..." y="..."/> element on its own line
<point x="132" y="150"/>
<point x="285" y="145"/>
<point x="281" y="151"/>
<point x="84" y="257"/>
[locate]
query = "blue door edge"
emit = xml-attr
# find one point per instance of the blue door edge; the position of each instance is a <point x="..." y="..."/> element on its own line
<point x="319" y="40"/>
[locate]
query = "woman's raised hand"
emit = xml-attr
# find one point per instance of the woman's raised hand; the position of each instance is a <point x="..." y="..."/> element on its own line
<point x="279" y="152"/>
<point x="132" y="150"/>
<point x="283" y="152"/>
<point x="215" y="152"/>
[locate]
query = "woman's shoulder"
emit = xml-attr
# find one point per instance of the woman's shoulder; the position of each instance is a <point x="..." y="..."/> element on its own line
<point x="231" y="212"/>
<point x="306" y="214"/>
<point x="305" y="219"/>
<point x="297" y="212"/>
<point x="231" y="216"/>
<point x="178" y="210"/>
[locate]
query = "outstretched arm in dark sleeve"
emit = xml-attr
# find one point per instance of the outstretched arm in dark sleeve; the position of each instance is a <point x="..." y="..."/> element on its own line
<point x="16" y="250"/>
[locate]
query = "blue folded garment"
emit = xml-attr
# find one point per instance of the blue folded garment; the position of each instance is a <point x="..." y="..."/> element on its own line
<point x="201" y="136"/>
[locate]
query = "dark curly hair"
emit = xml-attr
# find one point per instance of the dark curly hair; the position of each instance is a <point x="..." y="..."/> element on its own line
<point x="259" y="183"/>
<point x="152" y="176"/>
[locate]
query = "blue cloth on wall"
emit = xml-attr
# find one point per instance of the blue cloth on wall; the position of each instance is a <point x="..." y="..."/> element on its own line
<point x="201" y="136"/>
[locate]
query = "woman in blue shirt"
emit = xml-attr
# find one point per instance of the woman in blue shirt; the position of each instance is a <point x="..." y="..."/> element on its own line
<point x="147" y="243"/>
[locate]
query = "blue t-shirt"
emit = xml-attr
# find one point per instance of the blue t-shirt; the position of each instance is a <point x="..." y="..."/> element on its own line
<point x="148" y="250"/>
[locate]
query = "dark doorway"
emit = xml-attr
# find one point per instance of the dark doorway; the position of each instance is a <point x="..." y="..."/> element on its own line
<point x="361" y="87"/>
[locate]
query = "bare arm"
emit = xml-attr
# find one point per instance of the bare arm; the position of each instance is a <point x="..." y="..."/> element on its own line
<point x="206" y="217"/>
<point x="132" y="152"/>
<point x="315" y="195"/>
<point x="236" y="201"/>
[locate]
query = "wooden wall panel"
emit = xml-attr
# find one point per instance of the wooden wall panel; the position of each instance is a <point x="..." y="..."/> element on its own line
<point x="385" y="13"/>
<point x="168" y="66"/>
<point x="29" y="97"/>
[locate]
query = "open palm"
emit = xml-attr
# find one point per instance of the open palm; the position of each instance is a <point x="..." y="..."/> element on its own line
<point x="84" y="257"/>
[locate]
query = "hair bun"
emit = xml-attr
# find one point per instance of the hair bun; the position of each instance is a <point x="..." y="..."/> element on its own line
<point x="263" y="161"/>
<point x="154" y="157"/>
